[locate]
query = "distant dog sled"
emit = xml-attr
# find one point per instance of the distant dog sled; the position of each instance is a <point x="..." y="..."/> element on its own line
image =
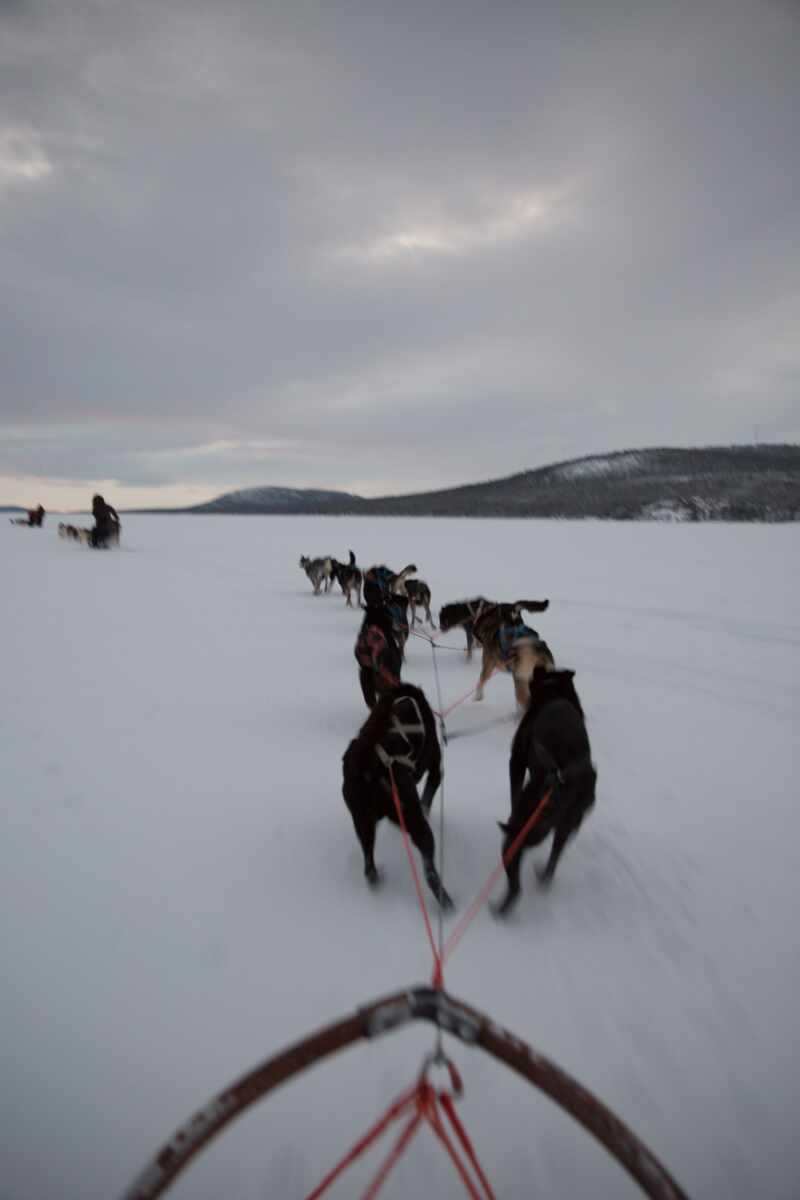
<point x="33" y="519"/>
<point x="106" y="530"/>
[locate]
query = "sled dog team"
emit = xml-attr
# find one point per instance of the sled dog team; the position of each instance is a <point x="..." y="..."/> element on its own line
<point x="106" y="529"/>
<point x="551" y="771"/>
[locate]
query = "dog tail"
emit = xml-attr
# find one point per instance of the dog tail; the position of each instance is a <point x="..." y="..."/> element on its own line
<point x="532" y="605"/>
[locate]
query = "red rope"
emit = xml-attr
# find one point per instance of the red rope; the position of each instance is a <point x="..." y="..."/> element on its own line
<point x="461" y="927"/>
<point x="446" y="1102"/>
<point x="451" y="707"/>
<point x="438" y="980"/>
<point x="424" y="1103"/>
<point x="394" y="1111"/>
<point x="435" y="1122"/>
<point x="400" y="1145"/>
<point x="439" y="645"/>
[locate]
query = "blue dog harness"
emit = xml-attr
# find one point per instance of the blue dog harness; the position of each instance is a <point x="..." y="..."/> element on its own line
<point x="512" y="632"/>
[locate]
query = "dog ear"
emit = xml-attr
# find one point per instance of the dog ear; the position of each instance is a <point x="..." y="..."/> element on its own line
<point x="503" y="825"/>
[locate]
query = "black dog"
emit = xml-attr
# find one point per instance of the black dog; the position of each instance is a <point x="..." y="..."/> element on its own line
<point x="387" y="587"/>
<point x="377" y="650"/>
<point x="348" y="576"/>
<point x="397" y="741"/>
<point x="553" y="745"/>
<point x="464" y="613"/>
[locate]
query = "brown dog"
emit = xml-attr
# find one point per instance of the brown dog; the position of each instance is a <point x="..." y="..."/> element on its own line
<point x="507" y="643"/>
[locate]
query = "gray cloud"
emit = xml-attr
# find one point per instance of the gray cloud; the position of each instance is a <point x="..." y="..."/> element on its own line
<point x="380" y="246"/>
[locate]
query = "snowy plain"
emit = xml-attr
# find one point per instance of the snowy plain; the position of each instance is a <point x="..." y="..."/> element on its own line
<point x="181" y="890"/>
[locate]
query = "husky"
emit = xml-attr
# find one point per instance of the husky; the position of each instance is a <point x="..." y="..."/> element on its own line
<point x="551" y="746"/>
<point x="319" y="571"/>
<point x="508" y="644"/>
<point x="349" y="577"/>
<point x="395" y="747"/>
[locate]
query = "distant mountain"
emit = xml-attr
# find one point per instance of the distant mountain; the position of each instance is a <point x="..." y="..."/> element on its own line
<point x="280" y="500"/>
<point x="734" y="483"/>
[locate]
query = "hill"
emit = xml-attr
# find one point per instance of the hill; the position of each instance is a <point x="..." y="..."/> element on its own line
<point x="734" y="483"/>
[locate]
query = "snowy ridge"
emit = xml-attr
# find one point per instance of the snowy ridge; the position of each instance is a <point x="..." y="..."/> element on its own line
<point x="604" y="464"/>
<point x="742" y="483"/>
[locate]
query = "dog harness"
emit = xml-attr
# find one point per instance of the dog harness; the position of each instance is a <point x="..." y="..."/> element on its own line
<point x="509" y="634"/>
<point x="381" y="576"/>
<point x="404" y="740"/>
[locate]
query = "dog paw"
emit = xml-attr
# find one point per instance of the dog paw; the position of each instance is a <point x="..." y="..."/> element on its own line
<point x="502" y="908"/>
<point x="544" y="876"/>
<point x="373" y="876"/>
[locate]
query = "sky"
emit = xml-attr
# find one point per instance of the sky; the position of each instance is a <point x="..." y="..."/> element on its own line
<point x="389" y="247"/>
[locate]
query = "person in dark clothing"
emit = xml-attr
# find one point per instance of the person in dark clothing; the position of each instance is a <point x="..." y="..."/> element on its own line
<point x="377" y="652"/>
<point x="106" y="528"/>
<point x="34" y="518"/>
<point x="551" y="745"/>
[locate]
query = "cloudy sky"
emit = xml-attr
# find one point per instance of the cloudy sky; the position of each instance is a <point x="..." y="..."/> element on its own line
<point x="388" y="246"/>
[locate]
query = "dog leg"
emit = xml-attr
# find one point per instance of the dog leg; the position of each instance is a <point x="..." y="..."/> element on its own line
<point x="545" y="874"/>
<point x="522" y="691"/>
<point x="567" y="824"/>
<point x="517" y="767"/>
<point x="523" y="666"/>
<point x="357" y="800"/>
<point x="435" y="884"/>
<point x="504" y="906"/>
<point x="512" y="872"/>
<point x="487" y="668"/>
<point x="366" y="677"/>
<point x="420" y="833"/>
<point x="433" y="782"/>
<point x="523" y="803"/>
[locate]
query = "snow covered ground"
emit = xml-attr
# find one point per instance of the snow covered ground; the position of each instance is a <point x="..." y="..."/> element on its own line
<point x="181" y="889"/>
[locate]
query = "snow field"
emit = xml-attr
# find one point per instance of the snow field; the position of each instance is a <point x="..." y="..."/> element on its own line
<point x="182" y="890"/>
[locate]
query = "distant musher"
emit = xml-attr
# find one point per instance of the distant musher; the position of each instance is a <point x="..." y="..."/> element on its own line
<point x="34" y="518"/>
<point x="106" y="528"/>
